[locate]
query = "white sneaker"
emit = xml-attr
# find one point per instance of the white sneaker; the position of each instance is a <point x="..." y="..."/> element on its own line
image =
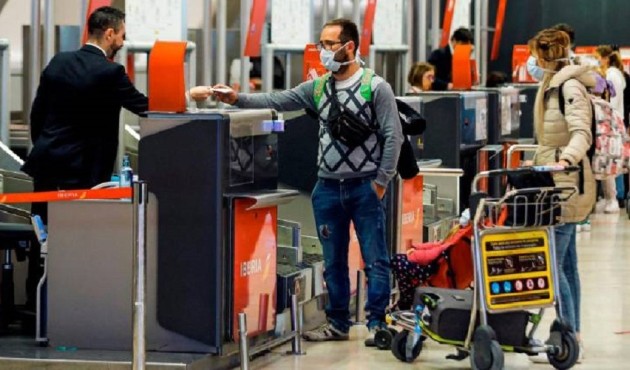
<point x="578" y="228"/>
<point x="612" y="206"/>
<point x="581" y="356"/>
<point x="601" y="205"/>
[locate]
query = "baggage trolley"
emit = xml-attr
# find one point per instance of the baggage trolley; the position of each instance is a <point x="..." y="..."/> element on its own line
<point x="515" y="273"/>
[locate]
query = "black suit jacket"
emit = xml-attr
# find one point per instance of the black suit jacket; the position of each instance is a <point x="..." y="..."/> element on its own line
<point x="442" y="59"/>
<point x="74" y="118"/>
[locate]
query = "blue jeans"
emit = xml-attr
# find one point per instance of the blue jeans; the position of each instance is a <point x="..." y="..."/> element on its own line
<point x="335" y="204"/>
<point x="566" y="255"/>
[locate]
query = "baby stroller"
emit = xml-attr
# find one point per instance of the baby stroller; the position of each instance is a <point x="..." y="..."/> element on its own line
<point x="514" y="261"/>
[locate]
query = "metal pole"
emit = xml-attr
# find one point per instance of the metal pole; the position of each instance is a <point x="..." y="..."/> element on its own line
<point x="435" y="24"/>
<point x="423" y="26"/>
<point x="478" y="26"/>
<point x="221" y="41"/>
<point x="356" y="12"/>
<point x="483" y="65"/>
<point x="296" y="323"/>
<point x="407" y="58"/>
<point x="360" y="309"/>
<point x="34" y="60"/>
<point x="244" y="347"/>
<point x="325" y="11"/>
<point x="339" y="9"/>
<point x="207" y="42"/>
<point x="82" y="18"/>
<point x="5" y="75"/>
<point x="192" y="65"/>
<point x="140" y="200"/>
<point x="245" y="5"/>
<point x="287" y="71"/>
<point x="49" y="31"/>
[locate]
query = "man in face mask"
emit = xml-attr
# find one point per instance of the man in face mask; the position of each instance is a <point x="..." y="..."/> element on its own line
<point x="351" y="180"/>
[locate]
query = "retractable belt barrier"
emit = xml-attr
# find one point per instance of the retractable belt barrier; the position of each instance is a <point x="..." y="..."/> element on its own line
<point x="65" y="195"/>
<point x="139" y="196"/>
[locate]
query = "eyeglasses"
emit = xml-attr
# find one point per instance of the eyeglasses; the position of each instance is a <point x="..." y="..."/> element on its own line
<point x="328" y="45"/>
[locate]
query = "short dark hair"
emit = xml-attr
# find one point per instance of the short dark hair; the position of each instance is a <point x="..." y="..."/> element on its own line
<point x="103" y="18"/>
<point x="566" y="29"/>
<point x="349" y="30"/>
<point x="464" y="35"/>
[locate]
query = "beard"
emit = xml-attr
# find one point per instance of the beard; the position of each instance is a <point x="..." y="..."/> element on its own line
<point x="343" y="58"/>
<point x="113" y="52"/>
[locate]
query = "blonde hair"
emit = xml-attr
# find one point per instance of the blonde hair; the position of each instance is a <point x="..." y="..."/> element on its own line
<point x="416" y="73"/>
<point x="551" y="46"/>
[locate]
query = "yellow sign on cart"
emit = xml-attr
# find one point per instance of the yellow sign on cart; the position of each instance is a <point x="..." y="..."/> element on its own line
<point x="517" y="269"/>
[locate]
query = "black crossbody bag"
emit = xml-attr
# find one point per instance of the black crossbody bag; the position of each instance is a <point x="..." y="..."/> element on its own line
<point x="344" y="125"/>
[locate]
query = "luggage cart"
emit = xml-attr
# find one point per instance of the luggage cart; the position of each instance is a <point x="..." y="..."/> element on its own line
<point x="515" y="272"/>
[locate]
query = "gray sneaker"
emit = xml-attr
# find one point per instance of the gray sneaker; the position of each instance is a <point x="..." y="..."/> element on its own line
<point x="325" y="333"/>
<point x="369" y="340"/>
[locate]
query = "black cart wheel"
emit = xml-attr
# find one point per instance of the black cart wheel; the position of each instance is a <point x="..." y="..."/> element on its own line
<point x="486" y="352"/>
<point x="569" y="353"/>
<point x="383" y="339"/>
<point x="399" y="347"/>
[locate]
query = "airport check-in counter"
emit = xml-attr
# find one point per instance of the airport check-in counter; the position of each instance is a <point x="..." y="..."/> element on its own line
<point x="456" y="130"/>
<point x="211" y="240"/>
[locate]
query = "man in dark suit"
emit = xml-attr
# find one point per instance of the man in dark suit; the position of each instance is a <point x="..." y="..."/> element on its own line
<point x="442" y="59"/>
<point x="74" y="118"/>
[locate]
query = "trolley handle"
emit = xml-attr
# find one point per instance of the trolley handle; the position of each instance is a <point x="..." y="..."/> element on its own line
<point x="520" y="170"/>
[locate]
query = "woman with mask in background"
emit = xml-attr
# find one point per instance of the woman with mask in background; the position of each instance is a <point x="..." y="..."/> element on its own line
<point x="610" y="65"/>
<point x="564" y="140"/>
<point x="421" y="77"/>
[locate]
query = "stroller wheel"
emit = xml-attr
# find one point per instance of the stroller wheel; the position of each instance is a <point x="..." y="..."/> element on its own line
<point x="383" y="339"/>
<point x="486" y="352"/>
<point x="568" y="354"/>
<point x="399" y="347"/>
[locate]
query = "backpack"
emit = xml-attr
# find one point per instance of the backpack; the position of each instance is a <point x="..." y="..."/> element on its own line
<point x="610" y="150"/>
<point x="411" y="121"/>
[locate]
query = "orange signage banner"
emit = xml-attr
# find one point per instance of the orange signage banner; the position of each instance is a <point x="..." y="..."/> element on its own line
<point x="166" y="77"/>
<point x="63" y="195"/>
<point x="464" y="68"/>
<point x="585" y="49"/>
<point x="255" y="29"/>
<point x="411" y="214"/>
<point x="498" y="29"/>
<point x="520" y="54"/>
<point x="313" y="67"/>
<point x="368" y="24"/>
<point x="92" y="6"/>
<point x="448" y="21"/>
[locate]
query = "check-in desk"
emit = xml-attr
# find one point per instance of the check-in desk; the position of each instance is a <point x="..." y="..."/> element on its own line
<point x="456" y="130"/>
<point x="527" y="97"/>
<point x="211" y="248"/>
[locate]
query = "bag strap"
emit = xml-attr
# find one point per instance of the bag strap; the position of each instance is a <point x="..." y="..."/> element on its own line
<point x="318" y="87"/>
<point x="366" y="84"/>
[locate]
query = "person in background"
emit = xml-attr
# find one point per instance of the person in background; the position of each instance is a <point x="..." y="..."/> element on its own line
<point x="421" y="77"/>
<point x="534" y="69"/>
<point x="610" y="65"/>
<point x="496" y="79"/>
<point x="442" y="59"/>
<point x="564" y="140"/>
<point x="352" y="181"/>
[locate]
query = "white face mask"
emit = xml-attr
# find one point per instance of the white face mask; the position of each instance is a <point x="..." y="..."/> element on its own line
<point x="327" y="58"/>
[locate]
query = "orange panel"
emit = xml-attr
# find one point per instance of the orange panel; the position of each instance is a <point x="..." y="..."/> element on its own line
<point x="312" y="64"/>
<point x="482" y="165"/>
<point x="166" y="77"/>
<point x="255" y="29"/>
<point x="411" y="214"/>
<point x="448" y="20"/>
<point x="368" y="24"/>
<point x="464" y="71"/>
<point x="498" y="30"/>
<point x="520" y="54"/>
<point x="585" y="49"/>
<point x="255" y="241"/>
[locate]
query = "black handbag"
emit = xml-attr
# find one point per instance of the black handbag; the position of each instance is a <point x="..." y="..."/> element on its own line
<point x="344" y="125"/>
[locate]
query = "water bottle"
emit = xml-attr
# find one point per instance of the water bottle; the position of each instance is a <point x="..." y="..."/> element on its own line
<point x="126" y="173"/>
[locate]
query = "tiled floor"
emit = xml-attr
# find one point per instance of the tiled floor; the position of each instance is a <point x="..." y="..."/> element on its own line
<point x="604" y="264"/>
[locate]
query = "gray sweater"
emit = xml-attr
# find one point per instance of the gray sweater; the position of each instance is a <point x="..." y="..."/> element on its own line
<point x="378" y="157"/>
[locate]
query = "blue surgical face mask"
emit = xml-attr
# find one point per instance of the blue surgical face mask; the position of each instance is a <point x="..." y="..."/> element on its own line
<point x="534" y="69"/>
<point x="327" y="58"/>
